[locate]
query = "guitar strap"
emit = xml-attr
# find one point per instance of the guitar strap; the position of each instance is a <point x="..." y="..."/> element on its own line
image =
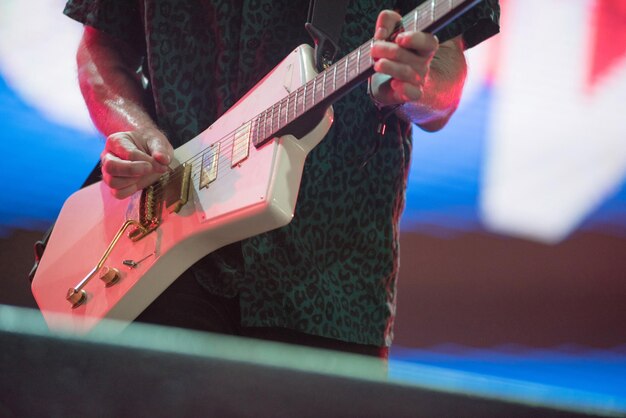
<point x="324" y="23"/>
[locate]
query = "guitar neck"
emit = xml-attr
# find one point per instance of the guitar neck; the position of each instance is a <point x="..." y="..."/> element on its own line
<point x="338" y="79"/>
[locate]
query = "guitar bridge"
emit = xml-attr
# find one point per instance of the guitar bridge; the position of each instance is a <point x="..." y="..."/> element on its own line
<point x="170" y="192"/>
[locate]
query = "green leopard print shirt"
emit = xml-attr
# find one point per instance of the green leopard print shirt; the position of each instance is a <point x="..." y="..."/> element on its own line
<point x="332" y="271"/>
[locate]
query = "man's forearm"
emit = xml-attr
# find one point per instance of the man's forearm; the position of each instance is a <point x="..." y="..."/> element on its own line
<point x="111" y="88"/>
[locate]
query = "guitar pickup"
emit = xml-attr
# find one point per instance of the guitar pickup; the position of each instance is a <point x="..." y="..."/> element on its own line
<point x="241" y="144"/>
<point x="208" y="171"/>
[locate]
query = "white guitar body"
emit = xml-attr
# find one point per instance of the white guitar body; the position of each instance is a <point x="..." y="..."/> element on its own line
<point x="254" y="196"/>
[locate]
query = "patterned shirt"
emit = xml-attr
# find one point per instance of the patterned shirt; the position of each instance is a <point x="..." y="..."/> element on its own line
<point x="332" y="271"/>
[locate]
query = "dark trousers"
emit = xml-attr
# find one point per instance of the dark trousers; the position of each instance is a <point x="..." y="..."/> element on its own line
<point x="186" y="304"/>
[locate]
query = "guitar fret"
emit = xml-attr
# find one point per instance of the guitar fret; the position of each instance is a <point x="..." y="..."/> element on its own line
<point x="439" y="12"/>
<point x="260" y="127"/>
<point x="279" y="115"/>
<point x="309" y="95"/>
<point x="352" y="71"/>
<point x="286" y="109"/>
<point x="266" y="132"/>
<point x="300" y="101"/>
<point x="268" y="122"/>
<point x="291" y="105"/>
<point x="297" y="100"/>
<point x="338" y="74"/>
<point x="275" y="117"/>
<point x="432" y="10"/>
<point x="367" y="56"/>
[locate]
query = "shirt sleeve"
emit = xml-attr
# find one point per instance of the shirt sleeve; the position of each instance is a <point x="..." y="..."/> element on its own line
<point x="118" y="18"/>
<point x="476" y="25"/>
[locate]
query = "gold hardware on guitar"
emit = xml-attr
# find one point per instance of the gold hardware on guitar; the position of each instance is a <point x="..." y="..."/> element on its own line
<point x="110" y="276"/>
<point x="76" y="295"/>
<point x="171" y="191"/>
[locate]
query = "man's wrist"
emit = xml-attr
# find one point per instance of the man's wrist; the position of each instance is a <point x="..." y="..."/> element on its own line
<point x="382" y="107"/>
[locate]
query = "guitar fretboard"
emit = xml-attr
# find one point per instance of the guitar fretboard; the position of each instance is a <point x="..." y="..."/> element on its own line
<point x="340" y="77"/>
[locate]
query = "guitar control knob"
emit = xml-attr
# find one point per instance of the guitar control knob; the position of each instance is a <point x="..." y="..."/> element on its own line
<point x="76" y="298"/>
<point x="110" y="276"/>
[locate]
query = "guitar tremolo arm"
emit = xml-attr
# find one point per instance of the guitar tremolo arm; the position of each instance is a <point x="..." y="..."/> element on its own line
<point x="76" y="295"/>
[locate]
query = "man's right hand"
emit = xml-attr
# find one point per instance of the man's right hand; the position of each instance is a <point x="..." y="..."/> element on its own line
<point x="133" y="160"/>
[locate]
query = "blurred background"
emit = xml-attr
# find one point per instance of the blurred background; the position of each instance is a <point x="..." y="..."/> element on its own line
<point x="514" y="233"/>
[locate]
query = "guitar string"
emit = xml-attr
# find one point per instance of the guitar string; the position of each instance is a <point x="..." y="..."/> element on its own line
<point x="410" y="20"/>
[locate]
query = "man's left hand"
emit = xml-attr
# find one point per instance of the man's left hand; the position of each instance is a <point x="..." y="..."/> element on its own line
<point x="402" y="65"/>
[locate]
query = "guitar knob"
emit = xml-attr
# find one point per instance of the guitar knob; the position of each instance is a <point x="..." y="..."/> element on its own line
<point x="76" y="298"/>
<point x="110" y="276"/>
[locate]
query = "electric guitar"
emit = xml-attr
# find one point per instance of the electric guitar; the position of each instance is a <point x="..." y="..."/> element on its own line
<point x="110" y="258"/>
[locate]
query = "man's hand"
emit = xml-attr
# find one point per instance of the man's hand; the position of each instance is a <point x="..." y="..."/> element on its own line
<point x="403" y="65"/>
<point x="133" y="160"/>
<point x="416" y="71"/>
